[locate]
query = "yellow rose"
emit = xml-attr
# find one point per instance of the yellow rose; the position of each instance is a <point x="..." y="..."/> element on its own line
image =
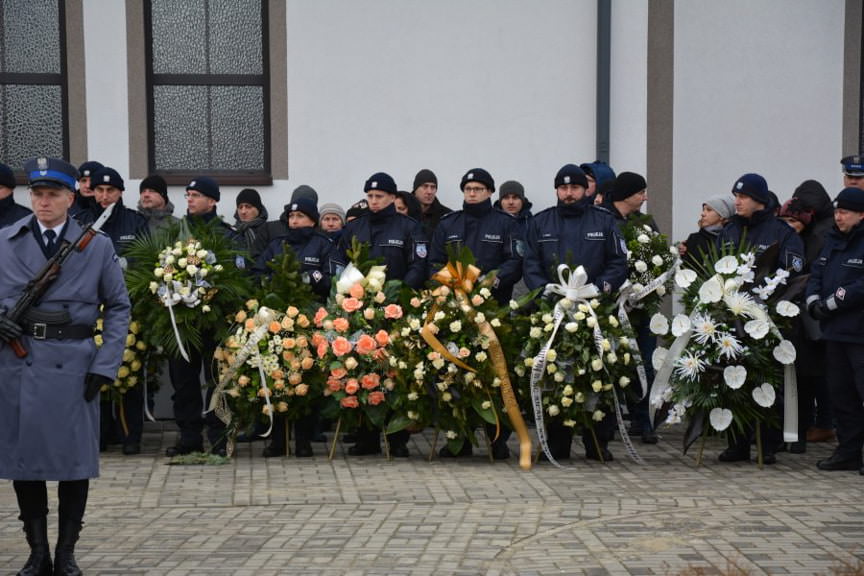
<point x="136" y="365"/>
<point x="134" y="327"/>
<point x="130" y="340"/>
<point x="123" y="372"/>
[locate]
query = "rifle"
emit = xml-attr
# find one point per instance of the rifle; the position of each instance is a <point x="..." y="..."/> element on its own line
<point x="37" y="287"/>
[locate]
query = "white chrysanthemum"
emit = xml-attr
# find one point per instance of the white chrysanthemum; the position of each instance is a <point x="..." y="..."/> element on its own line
<point x="659" y="324"/>
<point x="726" y="265"/>
<point x="764" y="395"/>
<point x="784" y="352"/>
<point x="704" y="328"/>
<point x="680" y="324"/>
<point x="658" y="357"/>
<point x="757" y="329"/>
<point x="739" y="303"/>
<point x="730" y="347"/>
<point x="689" y="366"/>
<point x="735" y="376"/>
<point x="788" y="309"/>
<point x="684" y="277"/>
<point x="711" y="291"/>
<point x="720" y="418"/>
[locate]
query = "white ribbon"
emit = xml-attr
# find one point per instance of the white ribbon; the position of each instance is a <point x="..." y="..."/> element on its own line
<point x="573" y="287"/>
<point x="349" y="276"/>
<point x="146" y="395"/>
<point x="169" y="302"/>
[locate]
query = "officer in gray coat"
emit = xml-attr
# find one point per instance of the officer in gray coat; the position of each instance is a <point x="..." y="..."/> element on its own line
<point x="49" y="408"/>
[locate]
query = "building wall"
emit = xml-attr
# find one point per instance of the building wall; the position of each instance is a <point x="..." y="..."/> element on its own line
<point x="758" y="88"/>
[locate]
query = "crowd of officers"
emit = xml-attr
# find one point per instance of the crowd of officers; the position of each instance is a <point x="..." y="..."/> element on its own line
<point x="412" y="232"/>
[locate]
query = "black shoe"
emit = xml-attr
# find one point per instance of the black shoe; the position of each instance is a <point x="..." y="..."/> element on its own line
<point x="64" y="552"/>
<point x="302" y="449"/>
<point x="799" y="447"/>
<point x="399" y="451"/>
<point x="39" y="562"/>
<point x="500" y="451"/>
<point x="838" y="462"/>
<point x="594" y="455"/>
<point x="649" y="437"/>
<point x="769" y="458"/>
<point x="273" y="451"/>
<point x="734" y="455"/>
<point x="466" y="450"/>
<point x="181" y="449"/>
<point x="131" y="448"/>
<point x="360" y="449"/>
<point x="861" y="471"/>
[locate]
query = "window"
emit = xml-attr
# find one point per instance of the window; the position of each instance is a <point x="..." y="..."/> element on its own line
<point x="208" y="104"/>
<point x="33" y="90"/>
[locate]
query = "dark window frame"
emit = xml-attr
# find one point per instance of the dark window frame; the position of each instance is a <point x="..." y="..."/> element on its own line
<point x="60" y="79"/>
<point x="180" y="177"/>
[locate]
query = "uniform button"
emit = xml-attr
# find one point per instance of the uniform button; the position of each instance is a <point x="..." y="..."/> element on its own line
<point x="59" y="366"/>
<point x="29" y="362"/>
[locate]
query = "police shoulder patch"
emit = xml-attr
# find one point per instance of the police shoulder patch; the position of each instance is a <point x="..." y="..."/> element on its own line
<point x="420" y="250"/>
<point x="797" y="263"/>
<point x="840" y="294"/>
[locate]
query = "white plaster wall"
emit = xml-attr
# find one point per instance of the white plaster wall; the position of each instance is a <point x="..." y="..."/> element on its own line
<point x="758" y="88"/>
<point x="628" y="121"/>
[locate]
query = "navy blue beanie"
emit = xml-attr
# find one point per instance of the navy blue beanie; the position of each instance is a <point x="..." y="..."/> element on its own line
<point x="206" y="186"/>
<point x="7" y="176"/>
<point x="850" y="199"/>
<point x="88" y="168"/>
<point x="754" y="186"/>
<point x="478" y="175"/>
<point x="381" y="181"/>
<point x="571" y="174"/>
<point x="106" y="176"/>
<point x="304" y="205"/>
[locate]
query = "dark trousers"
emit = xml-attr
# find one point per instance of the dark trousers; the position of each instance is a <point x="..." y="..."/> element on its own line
<point x="188" y="404"/>
<point x="133" y="410"/>
<point x="844" y="362"/>
<point x="814" y="407"/>
<point x="32" y="498"/>
<point x="647" y="343"/>
<point x="304" y="429"/>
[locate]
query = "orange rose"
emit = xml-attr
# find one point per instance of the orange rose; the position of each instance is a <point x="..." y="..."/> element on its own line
<point x="375" y="398"/>
<point x="320" y="315"/>
<point x="341" y="346"/>
<point x="249" y="324"/>
<point x="393" y="311"/>
<point x="349" y="402"/>
<point x="317" y="338"/>
<point x="341" y="324"/>
<point x="382" y="338"/>
<point x="288" y="343"/>
<point x="356" y="291"/>
<point x="338" y="373"/>
<point x="274" y="327"/>
<point x="365" y="345"/>
<point x="351" y="386"/>
<point x="334" y="385"/>
<point x="321" y="351"/>
<point x="351" y="304"/>
<point x="370" y="381"/>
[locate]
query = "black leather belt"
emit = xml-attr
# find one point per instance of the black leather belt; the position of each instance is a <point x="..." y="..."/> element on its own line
<point x="42" y="331"/>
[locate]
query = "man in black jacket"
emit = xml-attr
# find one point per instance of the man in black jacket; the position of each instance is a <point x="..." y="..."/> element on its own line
<point x="426" y="192"/>
<point x="9" y="211"/>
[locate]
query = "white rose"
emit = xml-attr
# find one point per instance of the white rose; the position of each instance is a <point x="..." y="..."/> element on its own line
<point x="657" y="260"/>
<point x="659" y="324"/>
<point x="640" y="266"/>
<point x="643" y="239"/>
<point x="553" y="410"/>
<point x="571" y="327"/>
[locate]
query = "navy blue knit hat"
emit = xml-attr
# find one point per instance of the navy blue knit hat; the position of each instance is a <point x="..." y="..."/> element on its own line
<point x="754" y="186"/>
<point x="206" y="186"/>
<point x="7" y="176"/>
<point x="478" y="175"/>
<point x="627" y="184"/>
<point x="381" y="181"/>
<point x="88" y="168"/>
<point x="304" y="205"/>
<point x="850" y="199"/>
<point x="571" y="174"/>
<point x="106" y="176"/>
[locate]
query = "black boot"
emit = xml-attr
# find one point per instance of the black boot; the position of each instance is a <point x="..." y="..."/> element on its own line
<point x="64" y="554"/>
<point x="39" y="562"/>
<point x="303" y="430"/>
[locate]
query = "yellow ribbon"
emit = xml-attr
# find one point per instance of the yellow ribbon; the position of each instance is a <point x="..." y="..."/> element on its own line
<point x="461" y="279"/>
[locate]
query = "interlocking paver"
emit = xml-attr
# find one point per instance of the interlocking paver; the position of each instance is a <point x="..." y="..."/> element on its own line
<point x="369" y="516"/>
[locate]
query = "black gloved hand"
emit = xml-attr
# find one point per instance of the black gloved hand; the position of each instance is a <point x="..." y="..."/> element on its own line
<point x="9" y="330"/>
<point x="819" y="310"/>
<point x="93" y="383"/>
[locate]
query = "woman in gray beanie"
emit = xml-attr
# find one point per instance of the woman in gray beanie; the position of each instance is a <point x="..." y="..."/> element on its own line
<point x="716" y="211"/>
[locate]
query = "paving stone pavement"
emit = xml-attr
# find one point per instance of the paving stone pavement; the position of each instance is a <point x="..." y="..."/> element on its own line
<point x="370" y="516"/>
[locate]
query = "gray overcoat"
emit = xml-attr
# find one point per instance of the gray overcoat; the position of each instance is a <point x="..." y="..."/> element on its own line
<point x="47" y="430"/>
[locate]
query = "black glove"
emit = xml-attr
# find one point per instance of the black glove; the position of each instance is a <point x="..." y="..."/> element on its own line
<point x="9" y="330"/>
<point x="819" y="310"/>
<point x="93" y="383"/>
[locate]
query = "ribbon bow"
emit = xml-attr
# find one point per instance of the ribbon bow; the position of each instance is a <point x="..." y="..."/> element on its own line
<point x="573" y="284"/>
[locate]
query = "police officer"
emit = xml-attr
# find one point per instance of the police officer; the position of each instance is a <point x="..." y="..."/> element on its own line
<point x="401" y="243"/>
<point x="426" y="191"/>
<point x="316" y="255"/>
<point x="154" y="205"/>
<point x="835" y="296"/>
<point x="756" y="224"/>
<point x="202" y="196"/>
<point x="853" y="171"/>
<point x="576" y="233"/>
<point x="84" y="199"/>
<point x="50" y="414"/>
<point x="491" y="234"/>
<point x="10" y="211"/>
<point x="123" y="226"/>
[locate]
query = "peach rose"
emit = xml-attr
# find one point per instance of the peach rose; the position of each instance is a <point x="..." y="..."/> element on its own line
<point x="338" y="373"/>
<point x="303" y="321"/>
<point x="249" y="324"/>
<point x="349" y="402"/>
<point x="287" y="355"/>
<point x="243" y="381"/>
<point x="274" y="327"/>
<point x="365" y="345"/>
<point x="288" y="343"/>
<point x="352" y="386"/>
<point x="369" y="313"/>
<point x="334" y="385"/>
<point x="375" y="398"/>
<point x="277" y="374"/>
<point x="356" y="291"/>
<point x="292" y="311"/>
<point x="341" y="324"/>
<point x="240" y="316"/>
<point x="307" y="363"/>
<point x="287" y="323"/>
<point x="295" y="378"/>
<point x="302" y="342"/>
<point x="321" y="351"/>
<point x="262" y="392"/>
<point x="320" y="315"/>
<point x="382" y="338"/>
<point x="351" y="304"/>
<point x="301" y="389"/>
<point x="370" y="381"/>
<point x="341" y="346"/>
<point x="415" y="302"/>
<point x="477" y="300"/>
<point x="393" y="311"/>
<point x="282" y="407"/>
<point x="279" y="385"/>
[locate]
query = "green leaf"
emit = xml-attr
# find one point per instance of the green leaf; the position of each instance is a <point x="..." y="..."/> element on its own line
<point x="397" y="423"/>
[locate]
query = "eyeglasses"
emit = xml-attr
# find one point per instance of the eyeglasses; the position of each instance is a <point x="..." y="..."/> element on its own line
<point x="475" y="188"/>
<point x="193" y="195"/>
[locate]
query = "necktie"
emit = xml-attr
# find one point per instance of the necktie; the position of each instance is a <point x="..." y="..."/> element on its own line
<point x="50" y="243"/>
